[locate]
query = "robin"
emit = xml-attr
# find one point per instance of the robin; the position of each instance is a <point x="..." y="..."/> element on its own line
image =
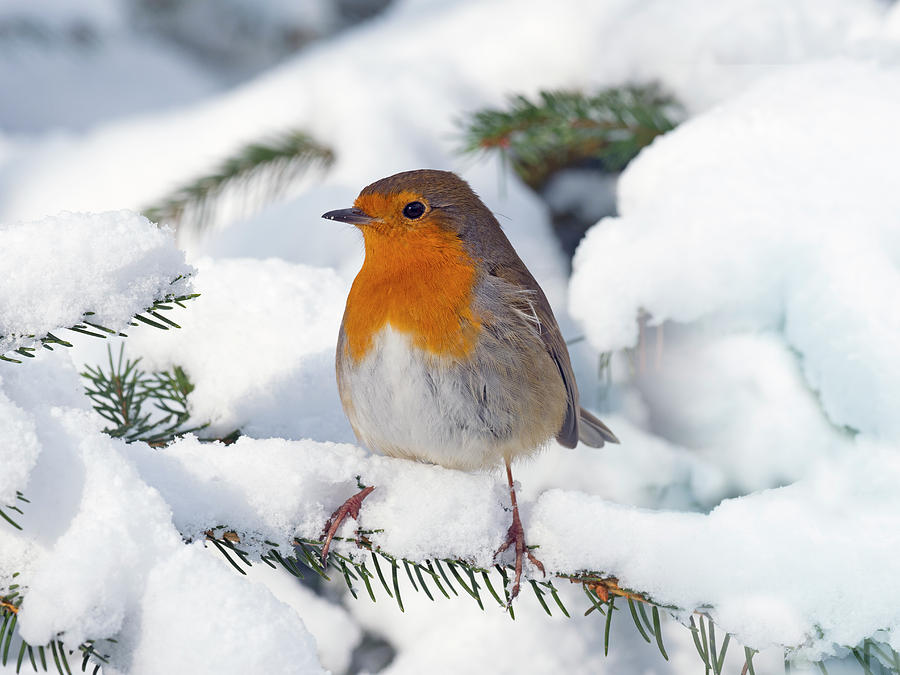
<point x="449" y="352"/>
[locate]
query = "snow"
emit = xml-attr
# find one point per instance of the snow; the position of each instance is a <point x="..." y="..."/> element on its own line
<point x="19" y="448"/>
<point x="756" y="476"/>
<point x="114" y="565"/>
<point x="774" y="283"/>
<point x="59" y="268"/>
<point x="740" y="402"/>
<point x="745" y="245"/>
<point x="101" y="547"/>
<point x="170" y="635"/>
<point x="533" y="642"/>
<point x="62" y="15"/>
<point x="336" y="633"/>
<point x="842" y="516"/>
<point x="266" y="314"/>
<point x="700" y="60"/>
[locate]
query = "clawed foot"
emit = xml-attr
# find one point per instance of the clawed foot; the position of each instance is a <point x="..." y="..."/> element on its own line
<point x="515" y="537"/>
<point x="348" y="508"/>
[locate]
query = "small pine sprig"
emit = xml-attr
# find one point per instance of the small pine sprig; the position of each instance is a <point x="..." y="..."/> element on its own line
<point x="6" y="509"/>
<point x="140" y="405"/>
<point x="264" y="169"/>
<point x="569" y="128"/>
<point x="151" y="317"/>
<point x="40" y="657"/>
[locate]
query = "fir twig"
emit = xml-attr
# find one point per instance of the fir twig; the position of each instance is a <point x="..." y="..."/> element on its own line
<point x="601" y="592"/>
<point x="569" y="128"/>
<point x="12" y="644"/>
<point x="50" y="340"/>
<point x="269" y="166"/>
<point x="13" y="507"/>
<point x="123" y="395"/>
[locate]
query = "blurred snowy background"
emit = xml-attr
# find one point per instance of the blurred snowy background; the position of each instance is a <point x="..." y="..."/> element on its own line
<point x="738" y="285"/>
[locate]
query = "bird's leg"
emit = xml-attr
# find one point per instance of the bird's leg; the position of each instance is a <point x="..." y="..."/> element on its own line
<point x="348" y="508"/>
<point x="515" y="536"/>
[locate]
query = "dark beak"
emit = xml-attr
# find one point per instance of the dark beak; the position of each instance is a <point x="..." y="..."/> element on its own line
<point x="352" y="216"/>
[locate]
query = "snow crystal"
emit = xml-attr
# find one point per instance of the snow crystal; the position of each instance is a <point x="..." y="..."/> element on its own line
<point x="58" y="269"/>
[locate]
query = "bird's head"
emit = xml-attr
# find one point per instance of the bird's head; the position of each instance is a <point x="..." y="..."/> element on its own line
<point x="415" y="202"/>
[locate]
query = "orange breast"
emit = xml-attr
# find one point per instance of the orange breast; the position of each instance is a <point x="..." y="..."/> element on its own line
<point x="420" y="281"/>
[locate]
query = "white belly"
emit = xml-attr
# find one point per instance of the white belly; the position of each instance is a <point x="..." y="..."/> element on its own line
<point x="404" y="402"/>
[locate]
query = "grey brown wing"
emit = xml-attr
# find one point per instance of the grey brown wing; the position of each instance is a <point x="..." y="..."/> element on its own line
<point x="534" y="305"/>
<point x="556" y="347"/>
<point x="578" y="423"/>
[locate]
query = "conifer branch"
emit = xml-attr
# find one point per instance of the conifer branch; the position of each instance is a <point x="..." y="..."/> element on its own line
<point x="13" y="507"/>
<point x="94" y="329"/>
<point x="263" y="170"/>
<point x="569" y="128"/>
<point x="123" y="395"/>
<point x="451" y="574"/>
<point x="873" y="657"/>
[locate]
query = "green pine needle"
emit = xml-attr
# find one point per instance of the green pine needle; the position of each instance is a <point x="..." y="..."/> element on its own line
<point x="569" y="129"/>
<point x="141" y="406"/>
<point x="47" y="341"/>
<point x="14" y="649"/>
<point x="13" y="507"/>
<point x="748" y="661"/>
<point x="265" y="167"/>
<point x="648" y="624"/>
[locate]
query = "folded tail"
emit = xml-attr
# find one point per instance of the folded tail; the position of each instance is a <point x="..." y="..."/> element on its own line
<point x="592" y="431"/>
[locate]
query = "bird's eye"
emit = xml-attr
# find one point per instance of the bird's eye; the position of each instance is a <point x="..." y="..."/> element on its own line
<point x="414" y="210"/>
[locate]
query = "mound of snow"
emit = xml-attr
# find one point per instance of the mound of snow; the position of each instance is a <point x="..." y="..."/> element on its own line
<point x="58" y="269"/>
<point x="258" y="344"/>
<point x="761" y="237"/>
<point x="775" y="211"/>
<point x="99" y="555"/>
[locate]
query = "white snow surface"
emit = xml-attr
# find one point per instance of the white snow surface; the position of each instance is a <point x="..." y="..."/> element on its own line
<point x="100" y="556"/>
<point x="57" y="269"/>
<point x="335" y="631"/>
<point x="19" y="448"/>
<point x="760" y="236"/>
<point x="167" y="640"/>
<point x="768" y="213"/>
<point x="763" y="597"/>
<point x="272" y="349"/>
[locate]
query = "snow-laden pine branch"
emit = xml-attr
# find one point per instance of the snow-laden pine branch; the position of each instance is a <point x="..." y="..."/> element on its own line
<point x="90" y="274"/>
